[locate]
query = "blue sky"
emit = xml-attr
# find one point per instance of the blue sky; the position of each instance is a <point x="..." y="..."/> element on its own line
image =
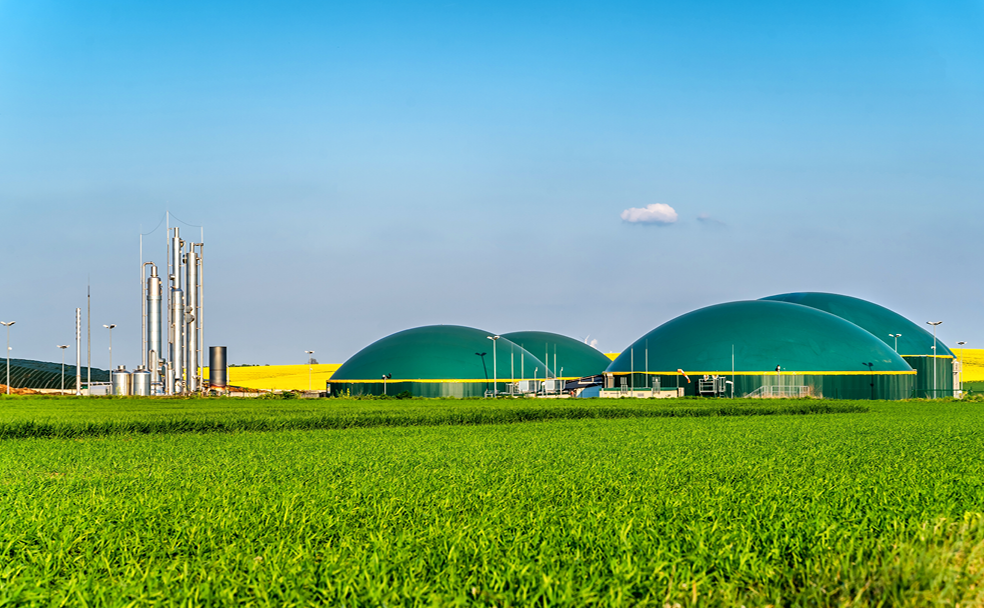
<point x="367" y="167"/>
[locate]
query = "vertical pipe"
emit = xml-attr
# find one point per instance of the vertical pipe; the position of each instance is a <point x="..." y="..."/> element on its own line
<point x="191" y="321"/>
<point x="88" y="337"/>
<point x="155" y="321"/>
<point x="201" y="302"/>
<point x="177" y="346"/>
<point x="176" y="311"/>
<point x="143" y="306"/>
<point x="78" y="351"/>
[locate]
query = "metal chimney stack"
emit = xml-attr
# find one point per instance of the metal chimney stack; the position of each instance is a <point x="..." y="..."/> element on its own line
<point x="155" y="323"/>
<point x="191" y="320"/>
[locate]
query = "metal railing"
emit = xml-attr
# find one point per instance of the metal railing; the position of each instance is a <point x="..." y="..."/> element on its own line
<point x="780" y="392"/>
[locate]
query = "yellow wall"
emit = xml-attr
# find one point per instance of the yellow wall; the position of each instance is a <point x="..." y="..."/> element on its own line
<point x="281" y="377"/>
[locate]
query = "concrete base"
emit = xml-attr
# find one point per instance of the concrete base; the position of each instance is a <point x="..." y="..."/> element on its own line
<point x="665" y="393"/>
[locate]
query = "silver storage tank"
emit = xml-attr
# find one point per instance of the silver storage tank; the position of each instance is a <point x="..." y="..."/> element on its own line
<point x="217" y="368"/>
<point x="121" y="382"/>
<point x="141" y="382"/>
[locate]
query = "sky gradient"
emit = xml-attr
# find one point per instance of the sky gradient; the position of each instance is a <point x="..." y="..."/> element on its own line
<point x="362" y="168"/>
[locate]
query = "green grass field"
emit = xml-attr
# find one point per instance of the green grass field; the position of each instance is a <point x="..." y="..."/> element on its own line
<point x="292" y="503"/>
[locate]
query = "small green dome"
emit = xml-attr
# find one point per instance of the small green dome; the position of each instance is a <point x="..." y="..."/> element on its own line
<point x="437" y="352"/>
<point x="764" y="334"/>
<point x="877" y="320"/>
<point x="571" y="358"/>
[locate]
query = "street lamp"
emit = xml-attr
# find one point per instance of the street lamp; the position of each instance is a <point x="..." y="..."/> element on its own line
<point x="486" y="370"/>
<point x="110" y="328"/>
<point x="934" y="324"/>
<point x="7" y="324"/>
<point x="63" y="347"/>
<point x="495" y="377"/>
<point x="310" y="367"/>
<point x="871" y="377"/>
<point x="960" y="377"/>
<point x="896" y="336"/>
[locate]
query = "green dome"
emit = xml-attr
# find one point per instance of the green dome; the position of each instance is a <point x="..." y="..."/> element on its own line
<point x="764" y="334"/>
<point x="571" y="358"/>
<point x="878" y="320"/>
<point x="437" y="353"/>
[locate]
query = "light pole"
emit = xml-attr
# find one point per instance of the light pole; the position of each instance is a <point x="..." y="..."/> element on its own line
<point x="310" y="367"/>
<point x="7" y="324"/>
<point x="486" y="370"/>
<point x="871" y="377"/>
<point x="960" y="377"/>
<point x="896" y="336"/>
<point x="110" y="328"/>
<point x="495" y="377"/>
<point x="934" y="324"/>
<point x="63" y="347"/>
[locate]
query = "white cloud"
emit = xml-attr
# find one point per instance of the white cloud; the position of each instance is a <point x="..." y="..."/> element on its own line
<point x="657" y="213"/>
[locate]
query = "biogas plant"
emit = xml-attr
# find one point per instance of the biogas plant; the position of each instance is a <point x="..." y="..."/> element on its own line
<point x="790" y="345"/>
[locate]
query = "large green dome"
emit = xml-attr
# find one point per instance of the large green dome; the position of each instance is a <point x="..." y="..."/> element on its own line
<point x="438" y="353"/>
<point x="764" y="334"/>
<point x="878" y="320"/>
<point x="568" y="357"/>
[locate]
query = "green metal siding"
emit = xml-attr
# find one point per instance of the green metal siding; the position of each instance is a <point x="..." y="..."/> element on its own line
<point x="924" y="384"/>
<point x="860" y="386"/>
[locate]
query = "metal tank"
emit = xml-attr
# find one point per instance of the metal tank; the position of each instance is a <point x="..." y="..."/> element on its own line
<point x="140" y="380"/>
<point x="217" y="367"/>
<point x="155" y="321"/>
<point x="169" y="388"/>
<point x="121" y="382"/>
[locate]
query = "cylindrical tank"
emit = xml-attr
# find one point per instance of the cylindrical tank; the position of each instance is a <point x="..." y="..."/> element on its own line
<point x="169" y="388"/>
<point x="217" y="368"/>
<point x="121" y="382"/>
<point x="177" y="326"/>
<point x="155" y="320"/>
<point x="191" y="322"/>
<point x="141" y="382"/>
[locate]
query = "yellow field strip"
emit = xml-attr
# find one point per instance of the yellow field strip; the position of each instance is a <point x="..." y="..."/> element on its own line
<point x="281" y="377"/>
<point x="973" y="363"/>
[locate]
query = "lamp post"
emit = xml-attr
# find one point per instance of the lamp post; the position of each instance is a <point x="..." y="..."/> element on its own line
<point x="934" y="324"/>
<point x="871" y="377"/>
<point x="7" y="324"/>
<point x="110" y="328"/>
<point x="495" y="376"/>
<point x="486" y="370"/>
<point x="960" y="376"/>
<point x="896" y="336"/>
<point x="310" y="367"/>
<point x="63" y="347"/>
